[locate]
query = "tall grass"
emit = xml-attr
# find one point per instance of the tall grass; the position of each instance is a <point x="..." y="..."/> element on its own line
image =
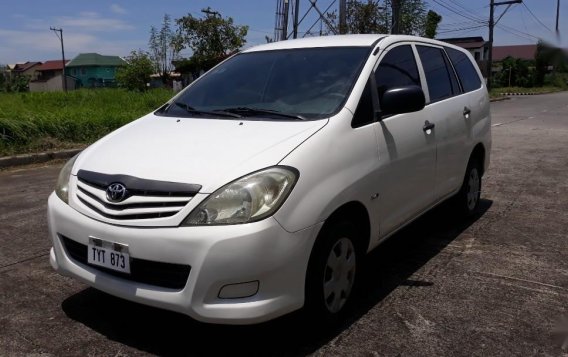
<point x="39" y="121"/>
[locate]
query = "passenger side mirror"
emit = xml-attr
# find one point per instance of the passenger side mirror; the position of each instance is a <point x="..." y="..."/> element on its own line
<point x="402" y="100"/>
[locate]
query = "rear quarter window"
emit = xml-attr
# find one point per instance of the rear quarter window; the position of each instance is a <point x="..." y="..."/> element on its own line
<point x="465" y="69"/>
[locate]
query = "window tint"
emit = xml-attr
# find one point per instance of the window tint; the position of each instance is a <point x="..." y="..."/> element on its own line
<point x="466" y="71"/>
<point x="397" y="69"/>
<point x="364" y="114"/>
<point x="455" y="84"/>
<point x="437" y="74"/>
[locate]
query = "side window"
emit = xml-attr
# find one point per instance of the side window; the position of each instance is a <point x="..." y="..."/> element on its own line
<point x="466" y="71"/>
<point x="455" y="84"/>
<point x="397" y="69"/>
<point x="437" y="73"/>
<point x="365" y="113"/>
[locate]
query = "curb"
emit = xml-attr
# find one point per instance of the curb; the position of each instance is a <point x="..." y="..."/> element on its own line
<point x="499" y="99"/>
<point x="525" y="93"/>
<point x="26" y="159"/>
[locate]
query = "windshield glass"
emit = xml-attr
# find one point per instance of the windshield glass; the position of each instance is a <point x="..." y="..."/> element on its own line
<point x="305" y="83"/>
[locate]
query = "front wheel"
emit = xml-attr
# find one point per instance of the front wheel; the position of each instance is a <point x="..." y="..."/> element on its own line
<point x="331" y="271"/>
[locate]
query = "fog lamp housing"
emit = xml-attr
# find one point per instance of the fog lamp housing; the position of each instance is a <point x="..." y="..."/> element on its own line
<point x="239" y="290"/>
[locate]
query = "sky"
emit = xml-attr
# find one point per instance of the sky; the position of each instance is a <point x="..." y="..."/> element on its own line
<point x="116" y="27"/>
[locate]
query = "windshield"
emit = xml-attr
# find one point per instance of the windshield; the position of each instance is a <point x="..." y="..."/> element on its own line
<point x="305" y="83"/>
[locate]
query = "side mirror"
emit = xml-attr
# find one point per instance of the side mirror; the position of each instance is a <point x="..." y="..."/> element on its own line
<point x="402" y="100"/>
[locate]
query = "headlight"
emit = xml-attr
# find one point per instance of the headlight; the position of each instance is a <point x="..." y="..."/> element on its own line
<point x="248" y="199"/>
<point x="62" y="187"/>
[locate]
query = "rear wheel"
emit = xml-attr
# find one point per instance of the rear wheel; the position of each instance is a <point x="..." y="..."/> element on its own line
<point x="332" y="271"/>
<point x="467" y="199"/>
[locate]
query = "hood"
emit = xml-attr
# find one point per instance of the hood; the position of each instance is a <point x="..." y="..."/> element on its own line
<point x="208" y="152"/>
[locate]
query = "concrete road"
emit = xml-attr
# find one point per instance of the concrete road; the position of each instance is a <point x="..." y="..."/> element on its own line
<point x="496" y="284"/>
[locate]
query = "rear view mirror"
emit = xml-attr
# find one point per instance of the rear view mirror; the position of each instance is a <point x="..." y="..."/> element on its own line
<point x="402" y="100"/>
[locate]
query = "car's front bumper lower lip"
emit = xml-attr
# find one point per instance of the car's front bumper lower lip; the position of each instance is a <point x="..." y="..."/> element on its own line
<point x="219" y="256"/>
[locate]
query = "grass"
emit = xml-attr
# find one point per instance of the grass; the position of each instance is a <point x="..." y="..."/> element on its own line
<point x="498" y="92"/>
<point x="31" y="122"/>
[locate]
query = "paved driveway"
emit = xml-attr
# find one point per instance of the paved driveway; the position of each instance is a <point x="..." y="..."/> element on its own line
<point x="495" y="284"/>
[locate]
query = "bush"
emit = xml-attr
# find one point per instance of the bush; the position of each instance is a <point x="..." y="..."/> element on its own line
<point x="136" y="73"/>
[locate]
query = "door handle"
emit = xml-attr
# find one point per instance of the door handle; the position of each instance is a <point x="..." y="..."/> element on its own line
<point x="428" y="126"/>
<point x="466" y="112"/>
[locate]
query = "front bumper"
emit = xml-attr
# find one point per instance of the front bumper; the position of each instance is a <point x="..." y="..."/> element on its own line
<point x="218" y="255"/>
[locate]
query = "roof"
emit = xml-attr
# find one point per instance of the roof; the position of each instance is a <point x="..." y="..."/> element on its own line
<point x="94" y="59"/>
<point x="466" y="42"/>
<point x="22" y="67"/>
<point x="321" y="41"/>
<point x="51" y="65"/>
<point x="525" y="52"/>
<point x="360" y="40"/>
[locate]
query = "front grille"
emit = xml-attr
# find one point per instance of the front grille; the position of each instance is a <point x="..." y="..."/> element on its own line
<point x="144" y="199"/>
<point x="166" y="275"/>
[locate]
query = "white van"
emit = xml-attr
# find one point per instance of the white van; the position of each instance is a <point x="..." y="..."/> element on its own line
<point x="259" y="188"/>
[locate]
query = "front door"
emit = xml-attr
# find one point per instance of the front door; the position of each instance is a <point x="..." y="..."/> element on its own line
<point x="407" y="145"/>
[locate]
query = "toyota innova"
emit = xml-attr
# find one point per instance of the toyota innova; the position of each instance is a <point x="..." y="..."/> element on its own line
<point x="259" y="188"/>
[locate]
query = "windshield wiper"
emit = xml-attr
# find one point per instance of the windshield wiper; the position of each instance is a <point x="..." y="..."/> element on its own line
<point x="248" y="111"/>
<point x="192" y="110"/>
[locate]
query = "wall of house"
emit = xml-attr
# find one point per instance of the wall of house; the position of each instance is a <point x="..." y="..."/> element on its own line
<point x="93" y="76"/>
<point x="53" y="84"/>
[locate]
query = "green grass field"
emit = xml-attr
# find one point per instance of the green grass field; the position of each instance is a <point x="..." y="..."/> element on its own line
<point x="32" y="122"/>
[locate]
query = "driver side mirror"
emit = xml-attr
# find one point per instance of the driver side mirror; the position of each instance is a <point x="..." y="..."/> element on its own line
<point x="402" y="100"/>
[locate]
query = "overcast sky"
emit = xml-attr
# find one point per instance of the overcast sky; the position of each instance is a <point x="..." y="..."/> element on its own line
<point x="117" y="27"/>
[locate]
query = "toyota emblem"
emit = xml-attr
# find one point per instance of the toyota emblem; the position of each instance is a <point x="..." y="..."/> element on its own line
<point x="116" y="192"/>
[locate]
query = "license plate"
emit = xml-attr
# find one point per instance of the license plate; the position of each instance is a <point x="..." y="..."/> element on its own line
<point x="109" y="255"/>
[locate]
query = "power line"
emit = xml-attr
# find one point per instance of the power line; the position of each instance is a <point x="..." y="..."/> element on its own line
<point x="462" y="29"/>
<point x="458" y="12"/>
<point x="459" y="4"/>
<point x="516" y="32"/>
<point x="536" y="18"/>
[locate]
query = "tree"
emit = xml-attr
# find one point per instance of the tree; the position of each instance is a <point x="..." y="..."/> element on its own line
<point x="136" y="73"/>
<point x="375" y="16"/>
<point x="369" y="17"/>
<point x="515" y="72"/>
<point x="211" y="38"/>
<point x="164" y="48"/>
<point x="431" y="26"/>
<point x="549" y="58"/>
<point x="2" y="77"/>
<point x="412" y="16"/>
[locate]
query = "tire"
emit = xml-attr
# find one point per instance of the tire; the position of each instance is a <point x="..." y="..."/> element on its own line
<point x="467" y="199"/>
<point x="332" y="271"/>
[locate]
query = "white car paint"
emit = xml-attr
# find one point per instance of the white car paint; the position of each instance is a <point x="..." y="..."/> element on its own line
<point x="391" y="167"/>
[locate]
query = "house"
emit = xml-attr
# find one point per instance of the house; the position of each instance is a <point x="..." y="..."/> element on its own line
<point x="94" y="70"/>
<point x="49" y="77"/>
<point x="27" y="69"/>
<point x="524" y="52"/>
<point x="477" y="46"/>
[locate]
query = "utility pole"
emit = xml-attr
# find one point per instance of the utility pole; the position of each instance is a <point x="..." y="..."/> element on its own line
<point x="557" y="15"/>
<point x="60" y="36"/>
<point x="342" y="16"/>
<point x="395" y="26"/>
<point x="492" y="6"/>
<point x="285" y="24"/>
<point x="296" y="14"/>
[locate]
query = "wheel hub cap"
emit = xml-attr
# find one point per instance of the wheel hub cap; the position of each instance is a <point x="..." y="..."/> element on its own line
<point x="473" y="189"/>
<point x="339" y="275"/>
